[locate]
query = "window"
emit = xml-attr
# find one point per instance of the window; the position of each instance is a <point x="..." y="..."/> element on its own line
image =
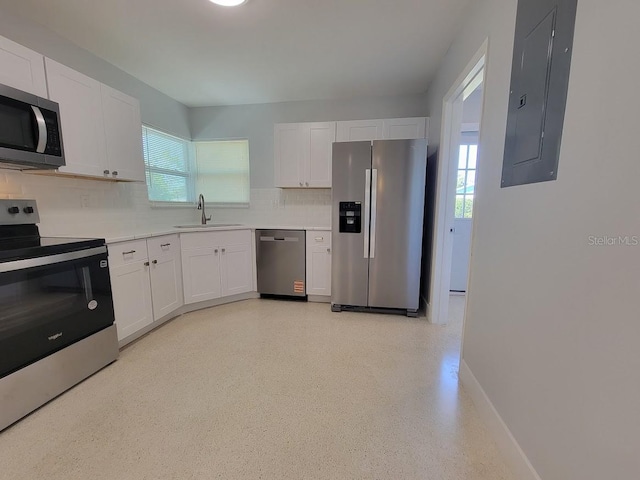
<point x="167" y="165"/>
<point x="223" y="171"/>
<point x="177" y="170"/>
<point x="465" y="187"/>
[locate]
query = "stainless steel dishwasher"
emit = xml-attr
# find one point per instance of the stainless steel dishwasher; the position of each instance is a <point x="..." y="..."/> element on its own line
<point x="280" y="255"/>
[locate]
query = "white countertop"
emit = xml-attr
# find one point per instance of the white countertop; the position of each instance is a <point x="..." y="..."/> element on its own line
<point x="158" y="232"/>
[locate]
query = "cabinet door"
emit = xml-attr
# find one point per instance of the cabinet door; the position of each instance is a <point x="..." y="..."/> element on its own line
<point x="201" y="274"/>
<point x="22" y="68"/>
<point x="81" y="117"/>
<point x="123" y="132"/>
<point x="404" y="128"/>
<point x="166" y="275"/>
<point x="131" y="297"/>
<point x="288" y="155"/>
<point x="319" y="263"/>
<point x="236" y="271"/>
<point x="318" y="141"/>
<point x="359" y="130"/>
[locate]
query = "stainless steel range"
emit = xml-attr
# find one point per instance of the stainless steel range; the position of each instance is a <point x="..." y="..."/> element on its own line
<point x="56" y="312"/>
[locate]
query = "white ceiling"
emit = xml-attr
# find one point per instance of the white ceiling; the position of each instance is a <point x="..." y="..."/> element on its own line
<point x="265" y="51"/>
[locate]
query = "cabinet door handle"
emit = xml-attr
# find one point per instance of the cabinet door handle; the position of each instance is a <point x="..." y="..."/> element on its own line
<point x="115" y="173"/>
<point x="130" y="252"/>
<point x="328" y="250"/>
<point x="300" y="183"/>
<point x="146" y="264"/>
<point x="224" y="250"/>
<point x="106" y="172"/>
<point x="306" y="183"/>
<point x="165" y="245"/>
<point x="155" y="262"/>
<point x="215" y="251"/>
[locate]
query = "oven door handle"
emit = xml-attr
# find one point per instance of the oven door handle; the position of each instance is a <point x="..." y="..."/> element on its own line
<point x="50" y="259"/>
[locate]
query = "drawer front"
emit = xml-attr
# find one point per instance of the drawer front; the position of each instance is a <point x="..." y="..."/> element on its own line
<point x="127" y="252"/>
<point x="318" y="238"/>
<point x="163" y="247"/>
<point x="214" y="239"/>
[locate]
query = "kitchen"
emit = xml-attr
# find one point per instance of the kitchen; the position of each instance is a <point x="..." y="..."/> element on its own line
<point x="71" y="206"/>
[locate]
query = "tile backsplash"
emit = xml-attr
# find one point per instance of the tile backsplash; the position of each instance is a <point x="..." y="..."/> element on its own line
<point x="84" y="207"/>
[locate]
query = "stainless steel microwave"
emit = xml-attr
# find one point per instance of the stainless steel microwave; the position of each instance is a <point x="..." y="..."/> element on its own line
<point x="30" y="132"/>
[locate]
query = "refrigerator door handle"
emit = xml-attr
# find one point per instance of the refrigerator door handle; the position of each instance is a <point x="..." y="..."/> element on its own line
<point x="374" y="209"/>
<point x="367" y="209"/>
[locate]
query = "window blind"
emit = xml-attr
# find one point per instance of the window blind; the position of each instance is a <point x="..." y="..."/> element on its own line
<point x="167" y="165"/>
<point x="223" y="171"/>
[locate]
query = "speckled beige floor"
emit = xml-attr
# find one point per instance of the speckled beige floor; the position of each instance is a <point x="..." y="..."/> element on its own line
<point x="266" y="390"/>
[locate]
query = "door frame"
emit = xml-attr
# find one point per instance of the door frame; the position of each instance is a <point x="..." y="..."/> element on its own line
<point x="438" y="309"/>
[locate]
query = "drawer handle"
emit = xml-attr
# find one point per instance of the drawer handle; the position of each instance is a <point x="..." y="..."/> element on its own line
<point x="224" y="250"/>
<point x="165" y="245"/>
<point x="130" y="252"/>
<point x="215" y="251"/>
<point x="328" y="250"/>
<point x="319" y="239"/>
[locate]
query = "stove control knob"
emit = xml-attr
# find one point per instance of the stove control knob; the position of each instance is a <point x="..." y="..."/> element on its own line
<point x="13" y="210"/>
<point x="27" y="209"/>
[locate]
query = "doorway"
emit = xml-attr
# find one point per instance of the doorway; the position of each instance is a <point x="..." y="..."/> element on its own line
<point x="465" y="184"/>
<point x="451" y="193"/>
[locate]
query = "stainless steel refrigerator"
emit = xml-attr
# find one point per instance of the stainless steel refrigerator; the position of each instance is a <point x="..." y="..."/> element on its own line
<point x="378" y="194"/>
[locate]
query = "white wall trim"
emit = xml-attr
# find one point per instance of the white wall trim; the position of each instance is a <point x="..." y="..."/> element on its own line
<point x="513" y="455"/>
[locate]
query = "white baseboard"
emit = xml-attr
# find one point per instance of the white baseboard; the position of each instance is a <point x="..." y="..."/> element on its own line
<point x="507" y="444"/>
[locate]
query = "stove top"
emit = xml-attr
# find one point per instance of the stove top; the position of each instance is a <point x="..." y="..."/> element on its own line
<point x="20" y="237"/>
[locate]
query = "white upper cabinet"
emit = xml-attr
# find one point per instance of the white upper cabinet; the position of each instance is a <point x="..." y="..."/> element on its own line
<point x="404" y="128"/>
<point x="22" y="68"/>
<point x="101" y="127"/>
<point x="81" y="116"/>
<point x="317" y="146"/>
<point x="359" y="130"/>
<point x="287" y="154"/>
<point x="302" y="153"/>
<point x="383" y="129"/>
<point x="123" y="131"/>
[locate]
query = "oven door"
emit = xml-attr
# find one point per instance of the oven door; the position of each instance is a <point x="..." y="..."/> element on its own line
<point x="50" y="302"/>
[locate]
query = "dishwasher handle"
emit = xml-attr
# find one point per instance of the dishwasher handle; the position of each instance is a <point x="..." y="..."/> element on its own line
<point x="278" y="239"/>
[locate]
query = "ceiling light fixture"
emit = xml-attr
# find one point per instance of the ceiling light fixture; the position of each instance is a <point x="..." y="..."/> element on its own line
<point x="228" y="3"/>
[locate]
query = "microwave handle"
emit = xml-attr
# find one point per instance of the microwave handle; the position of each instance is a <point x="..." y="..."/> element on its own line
<point x="42" y="129"/>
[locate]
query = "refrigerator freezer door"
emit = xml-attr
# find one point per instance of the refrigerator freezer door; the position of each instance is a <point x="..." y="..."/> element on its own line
<point x="350" y="265"/>
<point x="394" y="269"/>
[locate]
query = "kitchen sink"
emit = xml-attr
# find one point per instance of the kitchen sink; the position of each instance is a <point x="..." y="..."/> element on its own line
<point x="210" y="225"/>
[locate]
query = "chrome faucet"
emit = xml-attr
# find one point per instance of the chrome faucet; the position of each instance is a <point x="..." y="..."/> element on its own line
<point x="201" y="207"/>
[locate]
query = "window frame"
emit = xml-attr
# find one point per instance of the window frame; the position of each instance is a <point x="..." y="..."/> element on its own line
<point x="471" y="141"/>
<point x="191" y="174"/>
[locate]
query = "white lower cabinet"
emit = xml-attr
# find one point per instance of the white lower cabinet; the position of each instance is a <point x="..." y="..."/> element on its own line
<point x="319" y="263"/>
<point x="166" y="275"/>
<point x="216" y="264"/>
<point x="146" y="281"/>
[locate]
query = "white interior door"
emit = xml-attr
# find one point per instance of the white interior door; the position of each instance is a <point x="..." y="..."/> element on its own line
<point x="463" y="222"/>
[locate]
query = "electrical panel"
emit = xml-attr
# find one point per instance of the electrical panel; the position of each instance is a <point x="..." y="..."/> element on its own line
<point x="538" y="95"/>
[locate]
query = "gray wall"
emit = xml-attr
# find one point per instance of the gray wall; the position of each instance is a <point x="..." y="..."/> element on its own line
<point x="157" y="109"/>
<point x="552" y="327"/>
<point x="255" y="122"/>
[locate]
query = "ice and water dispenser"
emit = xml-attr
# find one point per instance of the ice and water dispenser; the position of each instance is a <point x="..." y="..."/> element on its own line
<point x="350" y="217"/>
